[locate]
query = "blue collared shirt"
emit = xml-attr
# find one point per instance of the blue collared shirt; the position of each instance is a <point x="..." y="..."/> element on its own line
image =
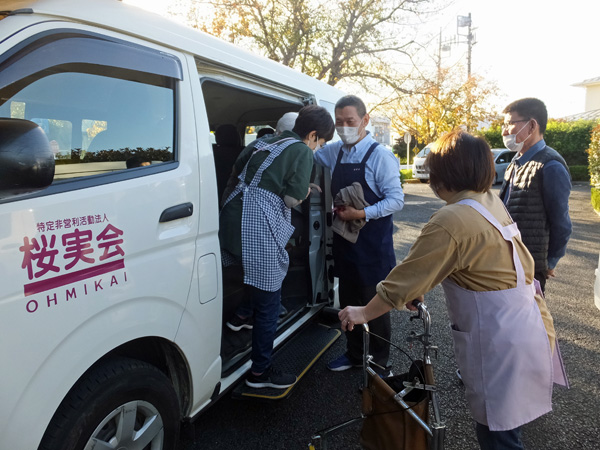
<point x="382" y="173"/>
<point x="556" y="189"/>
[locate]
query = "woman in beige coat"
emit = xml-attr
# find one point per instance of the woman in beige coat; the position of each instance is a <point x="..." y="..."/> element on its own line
<point x="503" y="334"/>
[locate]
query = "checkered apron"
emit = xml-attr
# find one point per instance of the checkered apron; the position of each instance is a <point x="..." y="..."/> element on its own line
<point x="266" y="225"/>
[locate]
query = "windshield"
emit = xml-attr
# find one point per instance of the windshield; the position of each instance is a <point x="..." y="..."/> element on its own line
<point x="423" y="153"/>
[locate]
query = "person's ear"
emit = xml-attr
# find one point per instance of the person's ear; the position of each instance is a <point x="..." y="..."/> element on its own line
<point x="365" y="120"/>
<point x="535" y="125"/>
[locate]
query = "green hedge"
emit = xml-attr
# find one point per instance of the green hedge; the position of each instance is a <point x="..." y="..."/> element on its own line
<point x="596" y="199"/>
<point x="493" y="136"/>
<point x="579" y="173"/>
<point x="570" y="139"/>
<point x="594" y="167"/>
<point x="594" y="157"/>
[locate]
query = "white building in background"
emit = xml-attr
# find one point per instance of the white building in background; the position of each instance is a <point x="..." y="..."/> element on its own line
<point x="592" y="100"/>
<point x="381" y="129"/>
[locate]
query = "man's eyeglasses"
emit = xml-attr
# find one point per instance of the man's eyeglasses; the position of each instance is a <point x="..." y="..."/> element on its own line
<point x="505" y="125"/>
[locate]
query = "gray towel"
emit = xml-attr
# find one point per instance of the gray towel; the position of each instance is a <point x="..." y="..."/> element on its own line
<point x="350" y="196"/>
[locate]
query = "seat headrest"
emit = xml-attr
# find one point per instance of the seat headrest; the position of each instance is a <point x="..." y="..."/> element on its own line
<point x="227" y="135"/>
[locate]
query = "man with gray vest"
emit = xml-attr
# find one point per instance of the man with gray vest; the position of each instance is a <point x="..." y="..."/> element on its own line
<point x="536" y="186"/>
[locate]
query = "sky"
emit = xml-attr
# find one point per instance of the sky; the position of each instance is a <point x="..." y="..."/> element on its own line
<point x="533" y="48"/>
<point x="530" y="48"/>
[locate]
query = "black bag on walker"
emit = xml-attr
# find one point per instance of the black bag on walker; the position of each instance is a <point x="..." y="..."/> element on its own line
<point x="387" y="426"/>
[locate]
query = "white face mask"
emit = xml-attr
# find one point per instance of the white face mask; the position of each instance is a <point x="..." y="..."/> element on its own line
<point x="348" y="135"/>
<point x="510" y="141"/>
<point x="317" y="145"/>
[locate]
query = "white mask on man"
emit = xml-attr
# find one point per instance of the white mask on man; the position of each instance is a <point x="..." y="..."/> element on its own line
<point x="510" y="141"/>
<point x="348" y="135"/>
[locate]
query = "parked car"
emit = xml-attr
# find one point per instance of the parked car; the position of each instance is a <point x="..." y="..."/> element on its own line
<point x="502" y="158"/>
<point x="419" y="170"/>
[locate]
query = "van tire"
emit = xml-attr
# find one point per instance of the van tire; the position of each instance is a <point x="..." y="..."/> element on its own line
<point x="117" y="384"/>
<point x="423" y="180"/>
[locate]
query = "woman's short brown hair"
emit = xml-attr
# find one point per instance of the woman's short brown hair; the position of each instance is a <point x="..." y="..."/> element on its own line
<point x="459" y="161"/>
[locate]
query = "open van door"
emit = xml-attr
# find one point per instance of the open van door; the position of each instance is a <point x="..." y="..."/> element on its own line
<point x="239" y="103"/>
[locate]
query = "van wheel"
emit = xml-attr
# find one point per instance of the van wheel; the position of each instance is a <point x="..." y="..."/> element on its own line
<point x="423" y="180"/>
<point x="122" y="403"/>
<point x="496" y="179"/>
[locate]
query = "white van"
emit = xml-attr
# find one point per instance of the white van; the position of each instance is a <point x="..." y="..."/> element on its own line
<point x="419" y="170"/>
<point x="113" y="298"/>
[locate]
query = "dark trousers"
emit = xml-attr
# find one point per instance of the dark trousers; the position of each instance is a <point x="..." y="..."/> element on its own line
<point x="498" y="440"/>
<point x="265" y="307"/>
<point x="356" y="295"/>
<point x="541" y="277"/>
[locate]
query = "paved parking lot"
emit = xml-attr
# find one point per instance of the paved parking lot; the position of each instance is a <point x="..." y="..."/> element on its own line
<point x="324" y="398"/>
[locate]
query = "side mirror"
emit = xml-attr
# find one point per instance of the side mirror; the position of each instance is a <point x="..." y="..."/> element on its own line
<point x="26" y="160"/>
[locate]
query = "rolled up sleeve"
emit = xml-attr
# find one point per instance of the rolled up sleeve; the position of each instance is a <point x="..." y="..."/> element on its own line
<point x="326" y="156"/>
<point x="430" y="260"/>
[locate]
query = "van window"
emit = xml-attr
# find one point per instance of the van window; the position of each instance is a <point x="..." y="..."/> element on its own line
<point x="252" y="132"/>
<point x="330" y="107"/>
<point x="98" y="119"/>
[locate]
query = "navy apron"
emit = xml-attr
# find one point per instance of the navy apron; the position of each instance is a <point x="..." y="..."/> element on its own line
<point x="371" y="258"/>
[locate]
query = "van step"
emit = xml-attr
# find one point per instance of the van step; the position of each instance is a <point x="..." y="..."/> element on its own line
<point x="296" y="357"/>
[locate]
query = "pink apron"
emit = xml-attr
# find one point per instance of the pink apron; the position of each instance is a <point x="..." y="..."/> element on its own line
<point x="501" y="346"/>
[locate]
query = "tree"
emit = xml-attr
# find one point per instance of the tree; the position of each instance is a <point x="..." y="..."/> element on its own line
<point x="440" y="104"/>
<point x="329" y="40"/>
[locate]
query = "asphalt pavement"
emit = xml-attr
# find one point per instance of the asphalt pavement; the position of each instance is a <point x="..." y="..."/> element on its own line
<point x="323" y="398"/>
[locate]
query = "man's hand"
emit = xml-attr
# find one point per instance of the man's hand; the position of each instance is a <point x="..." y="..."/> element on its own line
<point x="347" y="213"/>
<point x="551" y="273"/>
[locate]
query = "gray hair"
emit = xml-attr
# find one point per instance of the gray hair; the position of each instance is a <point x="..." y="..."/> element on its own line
<point x="352" y="100"/>
<point x="286" y="123"/>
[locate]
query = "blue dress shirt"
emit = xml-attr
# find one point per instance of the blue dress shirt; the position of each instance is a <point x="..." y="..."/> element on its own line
<point x="382" y="172"/>
<point x="556" y="188"/>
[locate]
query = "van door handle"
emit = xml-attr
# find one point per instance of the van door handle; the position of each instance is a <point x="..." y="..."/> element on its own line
<point x="177" y="212"/>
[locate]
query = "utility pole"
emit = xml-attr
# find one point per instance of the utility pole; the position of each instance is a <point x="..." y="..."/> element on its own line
<point x="439" y="61"/>
<point x="461" y="22"/>
<point x="470" y="46"/>
<point x="442" y="47"/>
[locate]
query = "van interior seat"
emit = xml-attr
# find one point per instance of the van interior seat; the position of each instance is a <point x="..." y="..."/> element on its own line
<point x="226" y="150"/>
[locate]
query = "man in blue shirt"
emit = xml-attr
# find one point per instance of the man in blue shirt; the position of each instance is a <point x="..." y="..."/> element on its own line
<point x="357" y="157"/>
<point x="536" y="186"/>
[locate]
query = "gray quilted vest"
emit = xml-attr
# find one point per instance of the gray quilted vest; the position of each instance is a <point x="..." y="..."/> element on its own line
<point x="526" y="205"/>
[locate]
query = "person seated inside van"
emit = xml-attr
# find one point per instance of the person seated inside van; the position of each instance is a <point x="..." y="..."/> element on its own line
<point x="255" y="228"/>
<point x="285" y="123"/>
<point x="137" y="161"/>
<point x="267" y="131"/>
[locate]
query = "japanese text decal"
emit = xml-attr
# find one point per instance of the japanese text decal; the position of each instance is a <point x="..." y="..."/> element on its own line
<point x="88" y="247"/>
